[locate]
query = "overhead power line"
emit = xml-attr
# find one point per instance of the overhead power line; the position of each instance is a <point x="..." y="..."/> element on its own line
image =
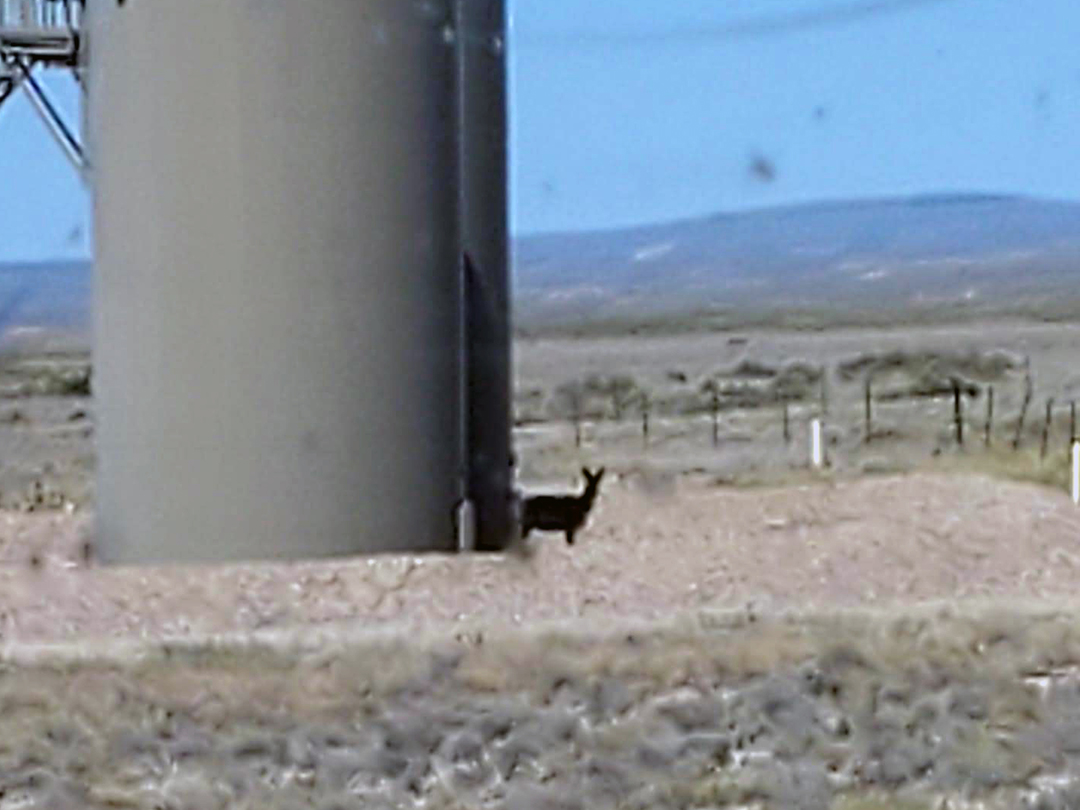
<point x="760" y="26"/>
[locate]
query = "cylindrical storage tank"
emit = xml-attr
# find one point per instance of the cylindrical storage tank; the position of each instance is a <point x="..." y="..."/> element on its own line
<point x="278" y="295"/>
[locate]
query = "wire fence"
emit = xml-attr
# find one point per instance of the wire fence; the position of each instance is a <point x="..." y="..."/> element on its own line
<point x="808" y="430"/>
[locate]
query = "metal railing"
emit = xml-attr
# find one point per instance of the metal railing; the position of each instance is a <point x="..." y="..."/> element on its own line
<point x="37" y="35"/>
<point x="41" y="15"/>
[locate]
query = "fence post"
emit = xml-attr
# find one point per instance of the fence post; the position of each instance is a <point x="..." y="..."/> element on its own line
<point x="645" y="420"/>
<point x="715" y="419"/>
<point x="1046" y="428"/>
<point x="1076" y="472"/>
<point x="787" y="423"/>
<point x="1028" y="393"/>
<point x="989" y="413"/>
<point x="816" y="457"/>
<point x="1072" y="422"/>
<point x="868" y="415"/>
<point x="958" y="411"/>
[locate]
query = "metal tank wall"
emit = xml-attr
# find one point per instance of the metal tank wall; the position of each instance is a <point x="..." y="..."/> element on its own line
<point x="481" y="27"/>
<point x="278" y="290"/>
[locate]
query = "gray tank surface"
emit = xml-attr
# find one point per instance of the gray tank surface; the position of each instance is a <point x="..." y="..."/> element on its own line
<point x="280" y="364"/>
<point x="482" y="113"/>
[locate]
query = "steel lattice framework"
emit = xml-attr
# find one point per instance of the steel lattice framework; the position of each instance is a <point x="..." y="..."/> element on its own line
<point x="36" y="35"/>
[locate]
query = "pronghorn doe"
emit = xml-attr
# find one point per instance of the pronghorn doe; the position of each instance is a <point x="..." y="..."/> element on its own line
<point x="561" y="513"/>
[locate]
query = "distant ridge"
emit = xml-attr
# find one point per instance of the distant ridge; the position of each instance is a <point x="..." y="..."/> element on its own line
<point x="959" y="249"/>
<point x="50" y="296"/>
<point x="886" y="252"/>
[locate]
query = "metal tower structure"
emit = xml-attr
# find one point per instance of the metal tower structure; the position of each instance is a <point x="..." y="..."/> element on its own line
<point x="36" y="35"/>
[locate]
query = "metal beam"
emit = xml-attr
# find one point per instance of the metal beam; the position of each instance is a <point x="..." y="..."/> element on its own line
<point x="54" y="123"/>
<point x="8" y="86"/>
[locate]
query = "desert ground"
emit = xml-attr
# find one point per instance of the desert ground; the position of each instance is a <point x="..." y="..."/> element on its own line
<point x="733" y="628"/>
<point x="912" y="409"/>
<point x="906" y="516"/>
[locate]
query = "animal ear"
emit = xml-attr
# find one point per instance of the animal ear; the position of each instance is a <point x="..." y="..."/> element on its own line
<point x="586" y="473"/>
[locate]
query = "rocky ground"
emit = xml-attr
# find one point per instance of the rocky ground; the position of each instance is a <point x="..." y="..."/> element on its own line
<point x="655" y="547"/>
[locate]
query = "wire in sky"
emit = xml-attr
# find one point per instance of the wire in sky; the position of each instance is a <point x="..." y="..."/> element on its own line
<point x="747" y="28"/>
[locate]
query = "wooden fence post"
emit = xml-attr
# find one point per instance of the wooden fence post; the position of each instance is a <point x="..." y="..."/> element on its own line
<point x="715" y="419"/>
<point x="645" y="420"/>
<point x="868" y="415"/>
<point x="1046" y="428"/>
<point x="989" y="413"/>
<point x="958" y="411"/>
<point x="1028" y="393"/>
<point x="787" y="423"/>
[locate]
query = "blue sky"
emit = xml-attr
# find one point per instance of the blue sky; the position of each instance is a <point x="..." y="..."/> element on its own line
<point x="44" y="209"/>
<point x="633" y="111"/>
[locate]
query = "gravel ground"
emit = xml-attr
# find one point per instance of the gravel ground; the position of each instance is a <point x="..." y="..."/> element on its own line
<point x="817" y="647"/>
<point x="653" y="548"/>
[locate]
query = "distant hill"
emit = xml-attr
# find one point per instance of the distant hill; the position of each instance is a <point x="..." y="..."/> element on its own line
<point x="978" y="250"/>
<point x="50" y="296"/>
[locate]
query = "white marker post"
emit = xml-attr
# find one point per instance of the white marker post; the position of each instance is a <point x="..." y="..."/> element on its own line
<point x="1076" y="472"/>
<point x="466" y="525"/>
<point x="815" y="443"/>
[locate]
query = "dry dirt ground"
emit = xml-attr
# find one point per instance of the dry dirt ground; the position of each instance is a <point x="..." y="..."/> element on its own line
<point x="666" y="534"/>
<point x="654" y="548"/>
<point x="474" y="706"/>
<point x="751" y="449"/>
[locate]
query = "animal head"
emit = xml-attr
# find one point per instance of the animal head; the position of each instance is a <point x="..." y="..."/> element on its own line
<point x="592" y="481"/>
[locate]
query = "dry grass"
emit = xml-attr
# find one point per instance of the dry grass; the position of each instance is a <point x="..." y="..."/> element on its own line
<point x="1024" y="465"/>
<point x="873" y="801"/>
<point x="633" y="715"/>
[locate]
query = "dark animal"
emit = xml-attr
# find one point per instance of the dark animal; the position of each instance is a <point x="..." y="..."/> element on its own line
<point x="561" y="513"/>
